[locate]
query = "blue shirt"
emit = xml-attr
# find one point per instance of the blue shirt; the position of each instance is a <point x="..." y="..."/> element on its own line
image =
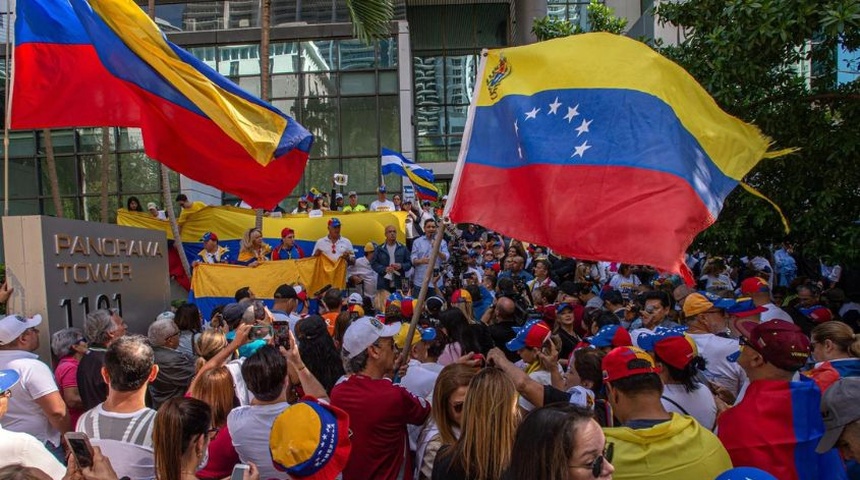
<point x="421" y="248"/>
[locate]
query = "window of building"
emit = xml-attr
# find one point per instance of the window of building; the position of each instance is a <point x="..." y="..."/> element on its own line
<point x="574" y="11"/>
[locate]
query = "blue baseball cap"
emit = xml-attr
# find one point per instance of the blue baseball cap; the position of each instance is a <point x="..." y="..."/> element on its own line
<point x="562" y="306"/>
<point x="722" y="303"/>
<point x="8" y="379"/>
<point x="744" y="307"/>
<point x="381" y="189"/>
<point x="745" y="473"/>
<point x="334" y="222"/>
<point x="208" y="236"/>
<point x="611" y="336"/>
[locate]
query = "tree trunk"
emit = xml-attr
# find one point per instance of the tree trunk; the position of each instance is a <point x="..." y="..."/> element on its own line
<point x="165" y="189"/>
<point x="265" y="24"/>
<point x="51" y="163"/>
<point x="105" y="172"/>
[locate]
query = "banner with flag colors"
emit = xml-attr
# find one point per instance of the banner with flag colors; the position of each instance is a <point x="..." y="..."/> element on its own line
<point x="422" y="179"/>
<point x="105" y="63"/>
<point x="600" y="148"/>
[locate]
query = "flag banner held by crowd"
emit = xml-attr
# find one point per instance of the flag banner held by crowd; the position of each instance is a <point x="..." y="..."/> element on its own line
<point x="105" y="63"/>
<point x="600" y="148"/>
<point x="213" y="285"/>
<point x="231" y="223"/>
<point x="422" y="179"/>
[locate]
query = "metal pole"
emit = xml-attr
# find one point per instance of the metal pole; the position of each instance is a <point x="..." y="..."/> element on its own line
<point x="7" y="121"/>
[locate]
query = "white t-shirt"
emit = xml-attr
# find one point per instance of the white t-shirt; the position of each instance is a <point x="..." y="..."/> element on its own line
<point x="419" y="380"/>
<point x="361" y="268"/>
<point x="340" y="246"/>
<point x="37" y="380"/>
<point x="699" y="403"/>
<point x="235" y="369"/>
<point x="625" y="285"/>
<point x="386" y="206"/>
<point x="719" y="369"/>
<point x="23" y="448"/>
<point x="250" y="428"/>
<point x="772" y="312"/>
<point x="721" y="282"/>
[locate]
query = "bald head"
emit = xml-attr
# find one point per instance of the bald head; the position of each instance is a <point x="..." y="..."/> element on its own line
<point x="505" y="308"/>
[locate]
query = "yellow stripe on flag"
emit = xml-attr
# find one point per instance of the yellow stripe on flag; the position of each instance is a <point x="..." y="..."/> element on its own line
<point x="214" y="280"/>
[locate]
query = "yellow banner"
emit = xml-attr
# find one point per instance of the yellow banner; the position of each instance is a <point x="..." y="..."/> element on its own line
<point x="223" y="280"/>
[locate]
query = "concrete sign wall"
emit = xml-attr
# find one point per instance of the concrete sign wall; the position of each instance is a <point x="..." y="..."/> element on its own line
<point x="63" y="269"/>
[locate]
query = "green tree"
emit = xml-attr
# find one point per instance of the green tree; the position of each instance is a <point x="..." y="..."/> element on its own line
<point x="600" y="18"/>
<point x="371" y="19"/>
<point x="773" y="63"/>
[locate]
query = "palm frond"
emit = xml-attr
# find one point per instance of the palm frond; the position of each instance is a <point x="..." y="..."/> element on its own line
<point x="371" y="19"/>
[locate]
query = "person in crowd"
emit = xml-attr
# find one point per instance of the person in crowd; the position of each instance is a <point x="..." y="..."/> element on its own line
<point x="625" y="281"/>
<point x="317" y="348"/>
<point x="212" y="252"/>
<point x="808" y="295"/>
<point x="332" y="301"/>
<point x="382" y="204"/>
<point x="679" y="363"/>
<point x="188" y="207"/>
<point x="20" y="447"/>
<point x="102" y="327"/>
<point x="421" y="375"/>
<point x="613" y="302"/>
<point x="532" y="339"/>
<point x="209" y="344"/>
<point x="677" y="447"/>
<point x="265" y="374"/>
<point x="244" y="294"/>
<point x="391" y="262"/>
<point x="560" y="441"/>
<point x="286" y="299"/>
<point x="175" y="370"/>
<point x="361" y="274"/>
<point x="502" y="317"/>
<point x="181" y="435"/>
<point x="189" y="320"/>
<point x="69" y="346"/>
<point x="565" y="329"/>
<point x="655" y="313"/>
<point x="584" y="383"/>
<point x="489" y="422"/>
<point x="253" y="250"/>
<point x="36" y="406"/>
<point x="848" y="310"/>
<point x="772" y="353"/>
<point x="704" y="321"/>
<point x="153" y="210"/>
<point x="333" y="245"/>
<point x="785" y="264"/>
<point x="379" y="410"/>
<point x="836" y="351"/>
<point x="454" y="325"/>
<point x="841" y="414"/>
<point x="715" y="278"/>
<point x="398" y="202"/>
<point x="585" y="293"/>
<point x="420" y="257"/>
<point x="122" y="425"/>
<point x="413" y="226"/>
<point x="759" y="291"/>
<point x="517" y="271"/>
<point x="288" y="249"/>
<point x="354" y="206"/>
<point x="338" y="202"/>
<point x="302" y="205"/>
<point x="541" y="274"/>
<point x="133" y="205"/>
<point x="215" y="388"/>
<point x="449" y="395"/>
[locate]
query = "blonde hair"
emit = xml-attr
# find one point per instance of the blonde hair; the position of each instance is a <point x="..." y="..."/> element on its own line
<point x="490" y="419"/>
<point x="379" y="299"/>
<point x="840" y="334"/>
<point x="465" y="306"/>
<point x="209" y="343"/>
<point x="451" y="378"/>
<point x="215" y="388"/>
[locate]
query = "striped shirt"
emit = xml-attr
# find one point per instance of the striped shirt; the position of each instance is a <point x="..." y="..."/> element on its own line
<point x="134" y="428"/>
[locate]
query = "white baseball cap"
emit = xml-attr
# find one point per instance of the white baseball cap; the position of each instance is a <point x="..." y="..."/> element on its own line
<point x="354" y="299"/>
<point x="363" y="333"/>
<point x="12" y="326"/>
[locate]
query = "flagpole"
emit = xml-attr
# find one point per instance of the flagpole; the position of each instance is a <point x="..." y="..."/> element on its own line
<point x="419" y="304"/>
<point x="8" y="119"/>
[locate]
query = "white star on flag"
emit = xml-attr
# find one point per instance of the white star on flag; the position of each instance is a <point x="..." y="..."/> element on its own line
<point x="571" y="112"/>
<point x="554" y="106"/>
<point x="580" y="150"/>
<point x="516" y="127"/>
<point x="584" y="127"/>
<point x="532" y="114"/>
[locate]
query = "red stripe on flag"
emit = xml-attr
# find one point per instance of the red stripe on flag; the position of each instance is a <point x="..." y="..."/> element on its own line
<point x="624" y="214"/>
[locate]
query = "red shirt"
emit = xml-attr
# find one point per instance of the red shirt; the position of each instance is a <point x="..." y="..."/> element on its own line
<point x="222" y="457"/>
<point x="66" y="375"/>
<point x="378" y="414"/>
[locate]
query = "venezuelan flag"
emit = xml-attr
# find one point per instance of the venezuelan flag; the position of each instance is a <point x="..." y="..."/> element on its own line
<point x="106" y="63"/>
<point x="600" y="148"/>
<point x="422" y="178"/>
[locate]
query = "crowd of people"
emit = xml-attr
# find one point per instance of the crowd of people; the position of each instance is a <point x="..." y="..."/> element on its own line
<point x="523" y="364"/>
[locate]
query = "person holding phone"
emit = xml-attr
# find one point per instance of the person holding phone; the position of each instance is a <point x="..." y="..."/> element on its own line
<point x="22" y="448"/>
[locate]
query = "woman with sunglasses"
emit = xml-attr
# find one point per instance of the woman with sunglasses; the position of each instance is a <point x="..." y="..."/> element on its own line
<point x="181" y="437"/>
<point x="560" y="442"/>
<point x="253" y="249"/>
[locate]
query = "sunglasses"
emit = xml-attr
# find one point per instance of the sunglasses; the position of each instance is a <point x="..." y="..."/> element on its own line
<point x="597" y="465"/>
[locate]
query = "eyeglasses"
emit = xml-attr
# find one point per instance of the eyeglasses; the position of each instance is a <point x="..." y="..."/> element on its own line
<point x="80" y="341"/>
<point x="597" y="465"/>
<point x="458" y="407"/>
<point x="212" y="432"/>
<point x="174" y="334"/>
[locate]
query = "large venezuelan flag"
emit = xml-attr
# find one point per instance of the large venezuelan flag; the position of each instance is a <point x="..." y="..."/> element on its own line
<point x="599" y="148"/>
<point x="106" y="64"/>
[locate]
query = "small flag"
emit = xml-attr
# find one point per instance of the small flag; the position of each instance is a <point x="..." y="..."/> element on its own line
<point x="422" y="178"/>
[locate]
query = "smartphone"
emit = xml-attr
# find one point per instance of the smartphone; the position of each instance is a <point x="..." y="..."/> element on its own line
<point x="239" y="471"/>
<point x="78" y="444"/>
<point x="282" y="333"/>
<point x="259" y="332"/>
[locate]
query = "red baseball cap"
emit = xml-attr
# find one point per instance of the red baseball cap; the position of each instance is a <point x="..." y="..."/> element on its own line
<point x="782" y="344"/>
<point x="677" y="352"/>
<point x="818" y="313"/>
<point x="532" y="335"/>
<point x="616" y="364"/>
<point x="753" y="285"/>
<point x="287" y="231"/>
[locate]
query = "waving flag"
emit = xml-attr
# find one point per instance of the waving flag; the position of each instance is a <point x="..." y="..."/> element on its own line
<point x="422" y="178"/>
<point x="599" y="148"/>
<point x="107" y="64"/>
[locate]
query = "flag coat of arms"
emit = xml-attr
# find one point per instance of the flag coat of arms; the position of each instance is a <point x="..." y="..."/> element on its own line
<point x="105" y="63"/>
<point x="600" y="148"/>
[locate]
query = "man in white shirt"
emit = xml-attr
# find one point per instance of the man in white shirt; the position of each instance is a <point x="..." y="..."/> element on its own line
<point x="420" y="376"/>
<point x="759" y="291"/>
<point x="23" y="448"/>
<point x="36" y="406"/>
<point x="122" y="425"/>
<point x="361" y="274"/>
<point x="381" y="204"/>
<point x="420" y="256"/>
<point x="333" y="245"/>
